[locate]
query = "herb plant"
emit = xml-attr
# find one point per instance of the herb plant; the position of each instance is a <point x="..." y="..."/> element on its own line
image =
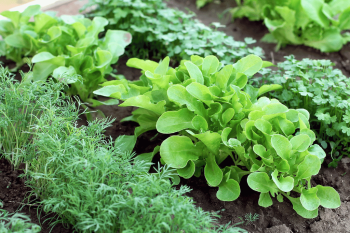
<point x="159" y="31"/>
<point x="67" y="48"/>
<point x="315" y="86"/>
<point x="93" y="183"/>
<point x="16" y="223"/>
<point x="320" y="24"/>
<point x="21" y="104"/>
<point x="201" y="3"/>
<point x="217" y="121"/>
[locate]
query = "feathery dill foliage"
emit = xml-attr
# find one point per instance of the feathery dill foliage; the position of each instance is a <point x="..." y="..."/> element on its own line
<point x="20" y="107"/>
<point x="16" y="223"/>
<point x="158" y="31"/>
<point x="320" y="89"/>
<point x="93" y="184"/>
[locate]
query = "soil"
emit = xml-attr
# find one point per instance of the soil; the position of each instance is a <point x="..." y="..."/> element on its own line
<point x="280" y="217"/>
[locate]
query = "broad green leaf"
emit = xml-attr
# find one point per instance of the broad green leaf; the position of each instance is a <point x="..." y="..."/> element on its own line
<point x="309" y="199"/>
<point x="309" y="133"/>
<point x="163" y="67"/>
<point x="267" y="64"/>
<point x="126" y="143"/>
<point x="300" y="142"/>
<point x="344" y="19"/>
<point x="286" y="184"/>
<point x="45" y="65"/>
<point x="175" y="121"/>
<point x="274" y="108"/>
<point x="240" y="80"/>
<point x="18" y="40"/>
<point x="329" y="198"/>
<point x="314" y="11"/>
<point x="248" y="65"/>
<point x="263" y="126"/>
<point x="107" y="91"/>
<point x="143" y="101"/>
<point x="194" y="72"/>
<point x="66" y="75"/>
<point x="210" y="65"/>
<point x="223" y="76"/>
<point x="14" y="16"/>
<point x="286" y="126"/>
<point x="176" y="151"/>
<point x="145" y="65"/>
<point x="188" y="171"/>
<point x="292" y="115"/>
<point x="298" y="207"/>
<point x="331" y="41"/>
<point x="229" y="190"/>
<point x="261" y="182"/>
<point x="318" y="151"/>
<point x="43" y="22"/>
<point x="103" y="58"/>
<point x="282" y="146"/>
<point x="266" y="88"/>
<point x="98" y="24"/>
<point x="212" y="172"/>
<point x="199" y="123"/>
<point x="283" y="166"/>
<point x="265" y="200"/>
<point x="309" y="167"/>
<point x="200" y="92"/>
<point x="210" y="140"/>
<point x="179" y="95"/>
<point x="54" y="32"/>
<point x="227" y="116"/>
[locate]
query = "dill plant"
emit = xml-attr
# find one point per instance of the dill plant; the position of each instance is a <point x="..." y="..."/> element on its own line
<point x="93" y="184"/>
<point x="20" y="107"/>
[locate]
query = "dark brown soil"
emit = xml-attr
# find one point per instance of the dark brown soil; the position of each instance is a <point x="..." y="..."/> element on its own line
<point x="15" y="197"/>
<point x="279" y="218"/>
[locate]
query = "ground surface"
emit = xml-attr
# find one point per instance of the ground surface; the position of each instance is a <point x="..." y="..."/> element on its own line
<point x="279" y="218"/>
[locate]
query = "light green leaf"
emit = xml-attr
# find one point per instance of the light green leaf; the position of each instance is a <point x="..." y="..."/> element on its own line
<point x="265" y="200"/>
<point x="194" y="72"/>
<point x="318" y="151"/>
<point x="329" y="198"/>
<point x="210" y="65"/>
<point x="200" y="92"/>
<point x="309" y="167"/>
<point x="229" y="189"/>
<point x="298" y="207"/>
<point x="199" y="123"/>
<point x="309" y="199"/>
<point x="261" y="182"/>
<point x="212" y="172"/>
<point x="300" y="142"/>
<point x="145" y="65"/>
<point x="188" y="171"/>
<point x="175" y="121"/>
<point x="211" y="140"/>
<point x="266" y="88"/>
<point x="107" y="91"/>
<point x="249" y="65"/>
<point x="163" y="67"/>
<point x="176" y="151"/>
<point x="143" y="101"/>
<point x="282" y="146"/>
<point x="286" y="184"/>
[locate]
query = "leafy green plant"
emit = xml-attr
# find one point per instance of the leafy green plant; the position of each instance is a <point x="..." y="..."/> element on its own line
<point x="159" y="31"/>
<point x="316" y="23"/>
<point x="16" y="223"/>
<point x="216" y="121"/>
<point x="76" y="171"/>
<point x="201" y="3"/>
<point x="67" y="48"/>
<point x="20" y="107"/>
<point x="315" y="86"/>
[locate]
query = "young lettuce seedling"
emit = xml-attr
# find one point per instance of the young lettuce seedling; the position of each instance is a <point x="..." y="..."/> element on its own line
<point x="216" y="120"/>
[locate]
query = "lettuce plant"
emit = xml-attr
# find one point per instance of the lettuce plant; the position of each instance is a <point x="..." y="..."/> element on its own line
<point x="316" y="23"/>
<point x="217" y="121"/>
<point x="315" y="86"/>
<point x="68" y="48"/>
<point x="159" y="31"/>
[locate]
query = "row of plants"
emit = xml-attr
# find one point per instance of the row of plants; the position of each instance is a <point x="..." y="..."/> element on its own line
<point x="90" y="181"/>
<point x="67" y="48"/>
<point x="217" y="118"/>
<point x="159" y="31"/>
<point x="321" y="24"/>
<point x="320" y="89"/>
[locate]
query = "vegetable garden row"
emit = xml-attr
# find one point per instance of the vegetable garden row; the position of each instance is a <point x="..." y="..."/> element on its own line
<point x="231" y="118"/>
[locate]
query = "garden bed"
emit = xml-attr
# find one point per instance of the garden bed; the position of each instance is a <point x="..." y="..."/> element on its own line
<point x="278" y="218"/>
